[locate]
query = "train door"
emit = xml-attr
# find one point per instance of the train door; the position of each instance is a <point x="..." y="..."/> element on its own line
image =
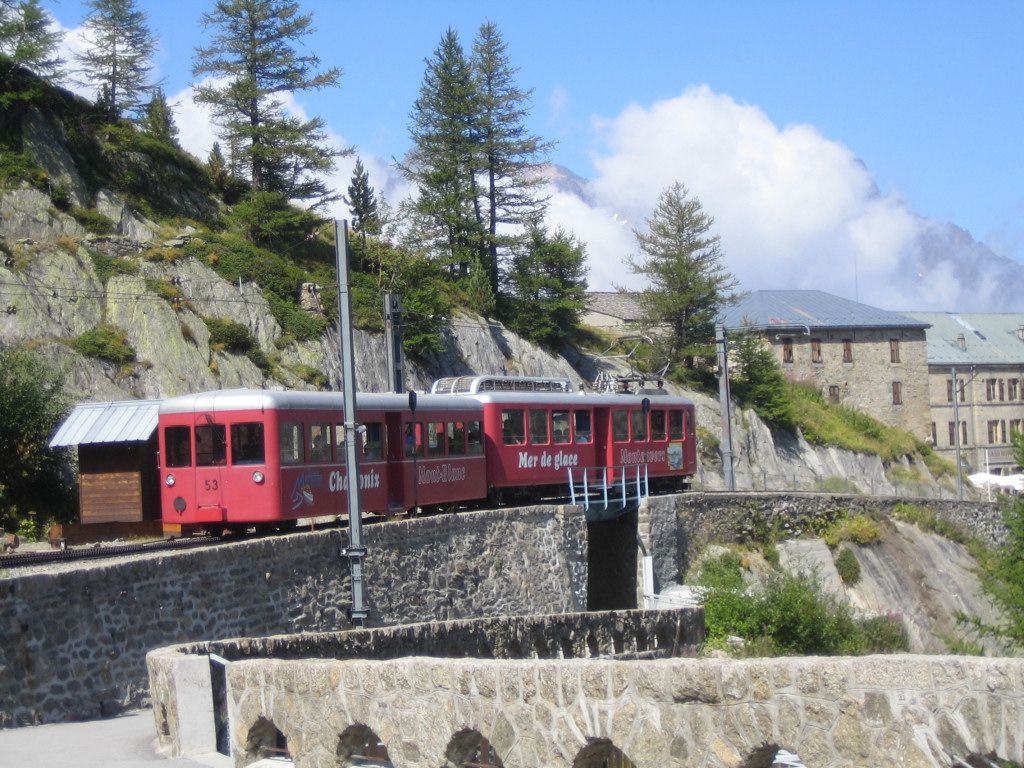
<point x="211" y="457"/>
<point x="396" y="469"/>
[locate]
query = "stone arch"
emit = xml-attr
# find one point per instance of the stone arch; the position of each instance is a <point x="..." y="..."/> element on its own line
<point x="264" y="739"/>
<point x="601" y="753"/>
<point x="469" y="747"/>
<point x="360" y="741"/>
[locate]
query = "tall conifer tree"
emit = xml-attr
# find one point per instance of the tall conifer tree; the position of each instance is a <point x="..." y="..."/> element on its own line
<point x="27" y="40"/>
<point x="118" y="59"/>
<point x="254" y="50"/>
<point x="362" y="202"/>
<point x="159" y="119"/>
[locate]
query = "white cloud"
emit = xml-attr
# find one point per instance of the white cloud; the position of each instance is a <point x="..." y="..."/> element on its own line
<point x="794" y="209"/>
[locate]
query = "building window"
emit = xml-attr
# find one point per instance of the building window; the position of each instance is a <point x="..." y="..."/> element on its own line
<point x="815" y="350"/>
<point x="963" y="433"/>
<point x="935" y="439"/>
<point x="1011" y="386"/>
<point x="1002" y="390"/>
<point x="897" y="393"/>
<point x="990" y="389"/>
<point x="894" y="350"/>
<point x="847" y="350"/>
<point x="787" y="350"/>
<point x="952" y="433"/>
<point x="1014" y="427"/>
<point x="949" y="390"/>
<point x="996" y="432"/>
<point x="833" y="393"/>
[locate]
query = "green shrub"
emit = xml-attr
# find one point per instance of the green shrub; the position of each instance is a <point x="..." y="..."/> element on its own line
<point x="860" y="529"/>
<point x="105" y="342"/>
<point x="16" y="167"/>
<point x="770" y="552"/>
<point x="260" y="360"/>
<point x="92" y="220"/>
<point x="108" y="266"/>
<point x="833" y="484"/>
<point x="722" y="572"/>
<point x="308" y="374"/>
<point x="885" y="634"/>
<point x="229" y="335"/>
<point x="707" y="441"/>
<point x="60" y="196"/>
<point x="847" y="566"/>
<point x="268" y="219"/>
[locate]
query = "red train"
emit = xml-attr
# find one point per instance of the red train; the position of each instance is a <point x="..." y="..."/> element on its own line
<point x="235" y="458"/>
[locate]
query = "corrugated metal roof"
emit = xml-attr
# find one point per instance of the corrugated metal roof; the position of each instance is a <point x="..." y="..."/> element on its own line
<point x="123" y="421"/>
<point x="813" y="309"/>
<point x="614" y="304"/>
<point x="973" y="338"/>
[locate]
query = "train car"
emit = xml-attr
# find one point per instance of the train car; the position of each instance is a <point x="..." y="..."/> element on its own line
<point x="234" y="458"/>
<point x="537" y="429"/>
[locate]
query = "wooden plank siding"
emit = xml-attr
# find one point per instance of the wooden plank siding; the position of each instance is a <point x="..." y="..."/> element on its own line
<point x="118" y="482"/>
<point x="110" y="497"/>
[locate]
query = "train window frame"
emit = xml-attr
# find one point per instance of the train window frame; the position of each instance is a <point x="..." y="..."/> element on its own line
<point x="560" y="431"/>
<point x="287" y="452"/>
<point x="217" y="455"/>
<point x="539" y="418"/>
<point x="474" y="438"/>
<point x="620" y="425"/>
<point x="637" y="424"/>
<point x="456" y="435"/>
<point x="583" y="436"/>
<point x="676" y="425"/>
<point x="174" y="445"/>
<point x="510" y="417"/>
<point x="319" y="443"/>
<point x="435" y="434"/>
<point x="412" y="442"/>
<point x="338" y="433"/>
<point x="658" y="432"/>
<point x="373" y="441"/>
<point x="248" y="445"/>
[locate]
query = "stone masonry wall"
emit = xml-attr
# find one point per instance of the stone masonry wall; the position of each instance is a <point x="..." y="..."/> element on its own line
<point x="676" y="527"/>
<point x="73" y="639"/>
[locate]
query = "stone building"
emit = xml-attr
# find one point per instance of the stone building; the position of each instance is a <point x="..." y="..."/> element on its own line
<point x="986" y="350"/>
<point x="612" y="311"/>
<point x="858" y="355"/>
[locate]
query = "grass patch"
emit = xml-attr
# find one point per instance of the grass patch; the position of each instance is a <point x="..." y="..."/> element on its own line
<point x="707" y="441"/>
<point x="847" y="566"/>
<point x="859" y="529"/>
<point x="833" y="484"/>
<point x="16" y="167"/>
<point x="927" y="519"/>
<point x="105" y="342"/>
<point x="92" y="220"/>
<point x="312" y="376"/>
<point x="109" y="266"/>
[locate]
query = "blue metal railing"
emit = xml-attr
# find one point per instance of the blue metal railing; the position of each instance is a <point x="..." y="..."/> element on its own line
<point x="601" y="498"/>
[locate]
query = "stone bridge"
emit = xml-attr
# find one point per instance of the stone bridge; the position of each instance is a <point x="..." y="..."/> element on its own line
<point x="579" y="690"/>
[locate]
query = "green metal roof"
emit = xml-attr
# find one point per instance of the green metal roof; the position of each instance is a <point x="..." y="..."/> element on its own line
<point x="973" y="338"/>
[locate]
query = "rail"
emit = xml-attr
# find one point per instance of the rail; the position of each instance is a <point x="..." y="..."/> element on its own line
<point x="607" y="492"/>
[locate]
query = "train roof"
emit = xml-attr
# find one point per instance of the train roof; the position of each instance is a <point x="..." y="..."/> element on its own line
<point x="273" y="399"/>
<point x="577" y="398"/>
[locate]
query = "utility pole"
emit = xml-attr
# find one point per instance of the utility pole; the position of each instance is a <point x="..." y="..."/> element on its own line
<point x="393" y="342"/>
<point x="721" y="341"/>
<point x="355" y="551"/>
<point x="956" y="432"/>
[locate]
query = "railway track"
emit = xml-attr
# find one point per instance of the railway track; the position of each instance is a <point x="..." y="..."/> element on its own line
<point x="24" y="559"/>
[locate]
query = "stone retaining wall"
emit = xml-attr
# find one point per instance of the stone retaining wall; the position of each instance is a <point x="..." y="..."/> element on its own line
<point x="676" y="527"/>
<point x="73" y="639"/>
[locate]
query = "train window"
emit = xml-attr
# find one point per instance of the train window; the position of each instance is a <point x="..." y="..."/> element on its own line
<point x="435" y="438"/>
<point x="638" y="425"/>
<point x="581" y="426"/>
<point x="620" y="425"/>
<point x="413" y="440"/>
<point x="538" y="426"/>
<point x="339" y="444"/>
<point x="373" y="441"/>
<point x="474" y="439"/>
<point x="247" y="443"/>
<point x="178" y="442"/>
<point x="290" y="442"/>
<point x="456" y="438"/>
<point x="512" y="426"/>
<point x="211" y="445"/>
<point x="319" y="443"/>
<point x="560" y="427"/>
<point x="675" y="424"/>
<point x="658" y="425"/>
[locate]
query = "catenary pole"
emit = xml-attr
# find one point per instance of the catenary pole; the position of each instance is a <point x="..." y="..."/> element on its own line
<point x="393" y="342"/>
<point x="724" y="402"/>
<point x="355" y="551"/>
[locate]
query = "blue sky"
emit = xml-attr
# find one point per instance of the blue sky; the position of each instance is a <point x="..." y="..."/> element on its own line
<point x="927" y="96"/>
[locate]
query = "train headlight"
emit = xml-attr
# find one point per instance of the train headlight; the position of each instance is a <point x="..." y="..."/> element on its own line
<point x="169" y="481"/>
<point x="257" y="477"/>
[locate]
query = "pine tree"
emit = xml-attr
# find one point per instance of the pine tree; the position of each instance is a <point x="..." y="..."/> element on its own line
<point x="217" y="166"/>
<point x="27" y="40"/>
<point x="547" y="287"/>
<point x="510" y="155"/>
<point x="688" y="282"/>
<point x="444" y="158"/>
<point x="159" y="118"/>
<point x="362" y="202"/>
<point x="118" y="59"/>
<point x="254" y="50"/>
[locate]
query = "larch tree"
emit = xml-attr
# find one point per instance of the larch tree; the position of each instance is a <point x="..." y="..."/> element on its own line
<point x="118" y="58"/>
<point x="255" y="63"/>
<point x="547" y="287"/>
<point x="158" y="120"/>
<point x="445" y="156"/>
<point x="27" y="39"/>
<point x="362" y="202"/>
<point x="510" y="156"/>
<point x="688" y="283"/>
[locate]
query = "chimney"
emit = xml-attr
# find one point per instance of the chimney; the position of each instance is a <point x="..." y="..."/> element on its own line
<point x="961" y="341"/>
<point x="1020" y="332"/>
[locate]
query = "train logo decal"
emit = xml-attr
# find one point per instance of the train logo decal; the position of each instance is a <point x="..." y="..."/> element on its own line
<point x="445" y="473"/>
<point x="548" y="460"/>
<point x="675" y="455"/>
<point x="658" y="456"/>
<point x="339" y="482"/>
<point x="302" y="491"/>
